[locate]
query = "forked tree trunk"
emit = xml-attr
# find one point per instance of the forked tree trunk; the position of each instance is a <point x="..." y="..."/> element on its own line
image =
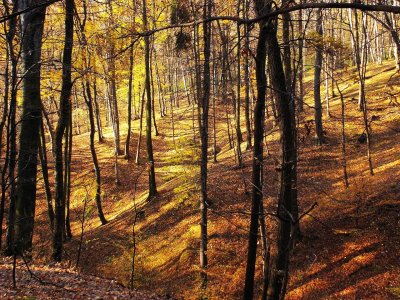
<point x="65" y="107"/>
<point x="257" y="181"/>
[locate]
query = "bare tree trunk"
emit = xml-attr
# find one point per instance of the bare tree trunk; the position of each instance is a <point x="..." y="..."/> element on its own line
<point x="150" y="159"/>
<point x="343" y="140"/>
<point x="203" y="126"/>
<point x="32" y="24"/>
<point x="362" y="74"/>
<point x="45" y="171"/>
<point x="288" y="225"/>
<point x="239" y="137"/>
<point x="140" y="127"/>
<point x="88" y="100"/>
<point x="247" y="79"/>
<point x="130" y="88"/>
<point x="65" y="107"/>
<point x="9" y="116"/>
<point x="97" y="111"/>
<point x="257" y="177"/>
<point x="300" y="103"/>
<point x="67" y="176"/>
<point x="317" y="82"/>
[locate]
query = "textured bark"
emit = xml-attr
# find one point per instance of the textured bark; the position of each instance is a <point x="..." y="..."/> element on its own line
<point x="32" y="24"/>
<point x="287" y="203"/>
<point x="257" y="180"/>
<point x="239" y="137"/>
<point x="11" y="147"/>
<point x="203" y="126"/>
<point x="65" y="108"/>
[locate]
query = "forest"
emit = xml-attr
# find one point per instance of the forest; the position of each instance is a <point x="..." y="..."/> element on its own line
<point x="199" y="149"/>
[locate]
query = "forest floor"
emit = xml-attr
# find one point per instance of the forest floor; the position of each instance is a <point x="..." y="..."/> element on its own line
<point x="351" y="242"/>
<point x="58" y="282"/>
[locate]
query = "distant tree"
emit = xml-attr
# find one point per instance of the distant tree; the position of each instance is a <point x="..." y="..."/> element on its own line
<point x="317" y="80"/>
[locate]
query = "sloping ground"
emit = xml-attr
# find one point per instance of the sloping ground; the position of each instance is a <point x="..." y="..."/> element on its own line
<point x="56" y="282"/>
<point x="351" y="243"/>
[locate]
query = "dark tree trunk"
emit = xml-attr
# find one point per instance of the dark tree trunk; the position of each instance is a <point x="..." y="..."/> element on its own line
<point x="257" y="180"/>
<point x="32" y="25"/>
<point x="130" y="88"/>
<point x="317" y="82"/>
<point x="65" y="107"/>
<point x="45" y="171"/>
<point x="11" y="148"/>
<point x="150" y="159"/>
<point x="287" y="202"/>
<point x="239" y="137"/>
<point x="140" y="126"/>
<point x="203" y="126"/>
<point x="300" y="103"/>
<point x="88" y="100"/>
<point x="97" y="111"/>
<point x="247" y="80"/>
<point x="67" y="175"/>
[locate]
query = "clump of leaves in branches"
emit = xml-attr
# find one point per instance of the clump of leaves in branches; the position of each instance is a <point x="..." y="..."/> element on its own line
<point x="180" y="14"/>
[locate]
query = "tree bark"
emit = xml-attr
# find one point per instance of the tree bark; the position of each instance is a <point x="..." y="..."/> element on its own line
<point x="317" y="82"/>
<point x="257" y="178"/>
<point x="65" y="107"/>
<point x="149" y="142"/>
<point x="32" y="23"/>
<point x="88" y="100"/>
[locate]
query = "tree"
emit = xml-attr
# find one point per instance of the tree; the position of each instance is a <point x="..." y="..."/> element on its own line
<point x="65" y="108"/>
<point x="149" y="142"/>
<point x="317" y="80"/>
<point x="204" y="105"/>
<point x="32" y="23"/>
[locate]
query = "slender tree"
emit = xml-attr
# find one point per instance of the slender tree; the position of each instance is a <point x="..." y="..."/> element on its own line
<point x="317" y="80"/>
<point x="149" y="142"/>
<point x="65" y="107"/>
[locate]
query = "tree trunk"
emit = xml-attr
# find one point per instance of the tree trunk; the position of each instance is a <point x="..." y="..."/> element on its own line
<point x="317" y="81"/>
<point x="247" y="80"/>
<point x="150" y="159"/>
<point x="239" y="137"/>
<point x="257" y="178"/>
<point x="45" y="171"/>
<point x="130" y="88"/>
<point x="203" y="127"/>
<point x="32" y="24"/>
<point x="11" y="147"/>
<point x="287" y="203"/>
<point x="88" y="100"/>
<point x="65" y="107"/>
<point x="97" y="111"/>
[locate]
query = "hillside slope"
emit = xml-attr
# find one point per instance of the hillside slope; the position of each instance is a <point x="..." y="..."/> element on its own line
<point x="351" y="243"/>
